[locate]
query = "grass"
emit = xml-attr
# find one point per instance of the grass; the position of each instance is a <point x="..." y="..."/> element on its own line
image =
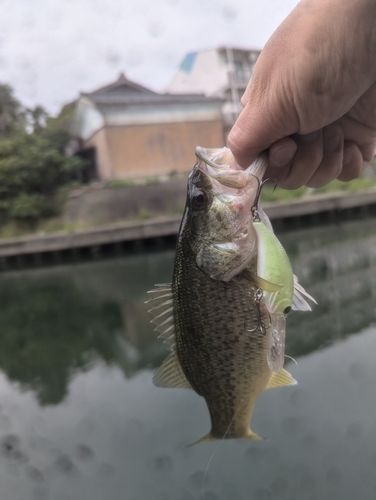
<point x="335" y="186"/>
<point x="120" y="183"/>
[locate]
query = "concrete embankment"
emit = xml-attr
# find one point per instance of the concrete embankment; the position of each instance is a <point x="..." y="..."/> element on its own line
<point x="326" y="206"/>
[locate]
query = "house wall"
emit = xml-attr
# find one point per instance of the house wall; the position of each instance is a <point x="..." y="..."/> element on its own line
<point x="125" y="152"/>
<point x="104" y="163"/>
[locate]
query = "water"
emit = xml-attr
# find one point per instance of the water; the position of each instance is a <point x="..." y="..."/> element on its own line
<point x="81" y="420"/>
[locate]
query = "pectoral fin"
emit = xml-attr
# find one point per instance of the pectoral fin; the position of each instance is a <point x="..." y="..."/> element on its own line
<point x="265" y="285"/>
<point x="280" y="379"/>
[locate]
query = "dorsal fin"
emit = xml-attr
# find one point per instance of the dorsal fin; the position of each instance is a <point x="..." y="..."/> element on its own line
<point x="162" y="312"/>
<point x="280" y="379"/>
<point x="170" y="374"/>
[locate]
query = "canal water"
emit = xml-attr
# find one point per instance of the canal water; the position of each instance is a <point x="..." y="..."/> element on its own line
<point x="81" y="420"/>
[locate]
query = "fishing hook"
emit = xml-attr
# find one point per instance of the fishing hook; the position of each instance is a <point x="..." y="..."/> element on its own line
<point x="254" y="208"/>
<point x="260" y="325"/>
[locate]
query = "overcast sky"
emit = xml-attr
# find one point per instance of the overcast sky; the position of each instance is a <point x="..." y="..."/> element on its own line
<point x="50" y="50"/>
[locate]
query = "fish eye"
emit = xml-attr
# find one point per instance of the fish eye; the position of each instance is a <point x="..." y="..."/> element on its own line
<point x="199" y="200"/>
<point x="287" y="310"/>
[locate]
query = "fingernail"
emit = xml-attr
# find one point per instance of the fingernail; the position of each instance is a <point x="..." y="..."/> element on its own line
<point x="282" y="156"/>
<point x="331" y="139"/>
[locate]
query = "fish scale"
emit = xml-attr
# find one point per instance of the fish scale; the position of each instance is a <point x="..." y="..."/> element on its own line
<point x="219" y="356"/>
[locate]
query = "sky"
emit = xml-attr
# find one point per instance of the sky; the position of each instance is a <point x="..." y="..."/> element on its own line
<point x="51" y="50"/>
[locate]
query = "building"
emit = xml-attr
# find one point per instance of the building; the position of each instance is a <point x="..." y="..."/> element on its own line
<point x="129" y="131"/>
<point x="222" y="72"/>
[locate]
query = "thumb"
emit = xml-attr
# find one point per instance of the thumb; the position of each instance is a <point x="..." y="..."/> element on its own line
<point x="248" y="137"/>
<point x="256" y="130"/>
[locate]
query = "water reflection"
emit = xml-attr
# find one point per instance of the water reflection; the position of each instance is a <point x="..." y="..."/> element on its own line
<point x="50" y="331"/>
<point x="58" y="321"/>
<point x="80" y="418"/>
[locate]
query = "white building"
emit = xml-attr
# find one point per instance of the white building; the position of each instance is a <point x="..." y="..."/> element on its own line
<point x="222" y="72"/>
<point x="128" y="131"/>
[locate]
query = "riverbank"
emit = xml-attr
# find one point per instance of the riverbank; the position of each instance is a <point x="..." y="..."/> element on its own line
<point x="155" y="230"/>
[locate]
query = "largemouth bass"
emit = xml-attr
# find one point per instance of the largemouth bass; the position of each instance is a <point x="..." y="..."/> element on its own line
<point x="226" y="343"/>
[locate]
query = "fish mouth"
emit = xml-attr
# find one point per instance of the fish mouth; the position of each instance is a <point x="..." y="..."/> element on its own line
<point x="219" y="164"/>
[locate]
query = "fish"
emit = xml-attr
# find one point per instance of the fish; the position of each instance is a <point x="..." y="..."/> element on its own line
<point x="225" y="343"/>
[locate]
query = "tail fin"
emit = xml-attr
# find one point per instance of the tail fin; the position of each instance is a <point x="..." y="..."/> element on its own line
<point x="208" y="438"/>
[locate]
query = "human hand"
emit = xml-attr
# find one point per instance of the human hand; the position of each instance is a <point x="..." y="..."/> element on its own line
<point x="312" y="97"/>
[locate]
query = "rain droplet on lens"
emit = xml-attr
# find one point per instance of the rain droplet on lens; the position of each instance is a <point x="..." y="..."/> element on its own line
<point x="297" y="397"/>
<point x="261" y="494"/>
<point x="253" y="455"/>
<point x="307" y="482"/>
<point x="112" y="56"/>
<point x="35" y="474"/>
<point x="106" y="470"/>
<point x="210" y="495"/>
<point x="11" y="448"/>
<point x="309" y="441"/>
<point x="155" y="29"/>
<point x="65" y="465"/>
<point x="83" y="452"/>
<point x="355" y="430"/>
<point x="197" y="478"/>
<point x="135" y="426"/>
<point x="357" y="370"/>
<point x="85" y="427"/>
<point x="39" y="493"/>
<point x="229" y="13"/>
<point x="187" y="496"/>
<point x="279" y="485"/>
<point x="163" y="463"/>
<point x="333" y="475"/>
<point x="291" y="425"/>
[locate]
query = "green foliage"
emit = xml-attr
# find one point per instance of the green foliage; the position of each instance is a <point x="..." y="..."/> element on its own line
<point x="12" y="114"/>
<point x="33" y="164"/>
<point x="31" y="170"/>
<point x="120" y="183"/>
<point x="28" y="206"/>
<point x="144" y="213"/>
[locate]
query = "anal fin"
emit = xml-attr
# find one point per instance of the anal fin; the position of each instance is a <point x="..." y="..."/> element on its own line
<point x="280" y="379"/>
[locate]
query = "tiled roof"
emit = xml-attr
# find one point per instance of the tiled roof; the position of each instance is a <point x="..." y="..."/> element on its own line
<point x="124" y="91"/>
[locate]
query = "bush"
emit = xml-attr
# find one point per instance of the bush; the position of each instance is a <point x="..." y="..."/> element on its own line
<point x="32" y="169"/>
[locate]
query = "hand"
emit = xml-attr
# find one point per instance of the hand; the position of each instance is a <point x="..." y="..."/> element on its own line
<point x="312" y="97"/>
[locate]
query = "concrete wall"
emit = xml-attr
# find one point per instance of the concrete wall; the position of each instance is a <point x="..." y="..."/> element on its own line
<point x="147" y="150"/>
<point x="107" y="205"/>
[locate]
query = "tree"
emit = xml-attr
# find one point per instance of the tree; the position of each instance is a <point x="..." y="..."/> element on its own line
<point x="33" y="164"/>
<point x="31" y="171"/>
<point x="12" y="115"/>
